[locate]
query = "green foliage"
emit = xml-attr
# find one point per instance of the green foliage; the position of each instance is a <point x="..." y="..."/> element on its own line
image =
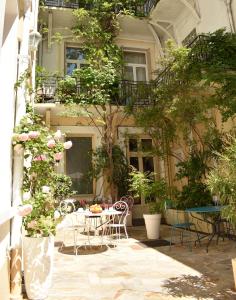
<point x="66" y="91"/>
<point x="42" y="187"/>
<point x="62" y="186"/>
<point x="143" y="185"/>
<point x="96" y="85"/>
<point x="193" y="195"/>
<point x="194" y="168"/>
<point x="222" y="180"/>
<point x="120" y="173"/>
<point x="192" y="83"/>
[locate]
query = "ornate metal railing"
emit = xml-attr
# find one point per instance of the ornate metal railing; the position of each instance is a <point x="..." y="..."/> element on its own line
<point x="199" y="52"/>
<point x="52" y="89"/>
<point x="138" y="9"/>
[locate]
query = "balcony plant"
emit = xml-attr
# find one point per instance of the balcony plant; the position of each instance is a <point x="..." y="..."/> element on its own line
<point x="43" y="150"/>
<point x="155" y="193"/>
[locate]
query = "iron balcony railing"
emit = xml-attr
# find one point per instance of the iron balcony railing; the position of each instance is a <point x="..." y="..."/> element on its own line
<point x="125" y="92"/>
<point x="138" y="9"/>
<point x="52" y="89"/>
<point x="199" y="52"/>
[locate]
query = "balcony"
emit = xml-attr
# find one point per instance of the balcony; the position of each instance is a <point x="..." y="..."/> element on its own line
<point x="138" y="9"/>
<point x="57" y="89"/>
<point x="201" y="53"/>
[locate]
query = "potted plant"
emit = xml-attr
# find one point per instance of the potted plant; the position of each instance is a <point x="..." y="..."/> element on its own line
<point x="222" y="182"/>
<point x="155" y="194"/>
<point x="43" y="149"/>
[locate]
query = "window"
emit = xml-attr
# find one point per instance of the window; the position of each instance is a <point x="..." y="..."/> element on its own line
<point x="78" y="164"/>
<point x="74" y="59"/>
<point x="135" y="66"/>
<point x="140" y="157"/>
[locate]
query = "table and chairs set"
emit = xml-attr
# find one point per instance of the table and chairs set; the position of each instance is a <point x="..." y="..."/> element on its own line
<point x="94" y="225"/>
<point x="218" y="227"/>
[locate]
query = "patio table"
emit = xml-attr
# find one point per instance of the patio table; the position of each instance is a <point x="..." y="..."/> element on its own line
<point x="99" y="219"/>
<point x="210" y="215"/>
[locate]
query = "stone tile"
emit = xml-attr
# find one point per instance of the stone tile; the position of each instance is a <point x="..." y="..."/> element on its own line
<point x="131" y="271"/>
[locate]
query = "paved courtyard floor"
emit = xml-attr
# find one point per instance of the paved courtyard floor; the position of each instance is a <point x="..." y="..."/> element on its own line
<point x="133" y="271"/>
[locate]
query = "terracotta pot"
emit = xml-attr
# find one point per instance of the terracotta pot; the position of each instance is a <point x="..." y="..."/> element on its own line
<point x="38" y="260"/>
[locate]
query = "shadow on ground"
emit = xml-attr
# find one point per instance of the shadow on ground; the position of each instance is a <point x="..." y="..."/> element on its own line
<point x="83" y="250"/>
<point x="197" y="288"/>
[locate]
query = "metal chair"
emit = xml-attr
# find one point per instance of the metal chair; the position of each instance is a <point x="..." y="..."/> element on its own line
<point x="118" y="222"/>
<point x="182" y="225"/>
<point x="130" y="201"/>
<point x="70" y="222"/>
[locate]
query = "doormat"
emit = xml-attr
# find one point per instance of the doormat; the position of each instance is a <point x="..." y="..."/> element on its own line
<point x="156" y="243"/>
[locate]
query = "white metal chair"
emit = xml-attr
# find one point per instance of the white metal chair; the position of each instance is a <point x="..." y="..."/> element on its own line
<point x="130" y="201"/>
<point x="118" y="222"/>
<point x="70" y="223"/>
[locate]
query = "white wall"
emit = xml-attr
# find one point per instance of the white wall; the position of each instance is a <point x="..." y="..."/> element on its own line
<point x="8" y="75"/>
<point x="213" y="15"/>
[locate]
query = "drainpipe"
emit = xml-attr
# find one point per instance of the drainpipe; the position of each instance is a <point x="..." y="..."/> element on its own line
<point x="228" y="4"/>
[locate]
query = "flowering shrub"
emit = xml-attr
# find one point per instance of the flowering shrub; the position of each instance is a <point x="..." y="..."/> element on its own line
<point x="43" y="188"/>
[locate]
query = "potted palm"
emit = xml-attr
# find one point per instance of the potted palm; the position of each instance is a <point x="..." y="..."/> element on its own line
<point x="155" y="194"/>
<point x="43" y="149"/>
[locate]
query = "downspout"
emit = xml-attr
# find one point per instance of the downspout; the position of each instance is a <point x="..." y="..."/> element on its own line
<point x="228" y="4"/>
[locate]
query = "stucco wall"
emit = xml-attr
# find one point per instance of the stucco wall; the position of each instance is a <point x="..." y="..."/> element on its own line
<point x="8" y="73"/>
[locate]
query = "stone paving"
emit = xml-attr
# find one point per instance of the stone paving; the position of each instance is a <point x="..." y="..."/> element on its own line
<point x="133" y="271"/>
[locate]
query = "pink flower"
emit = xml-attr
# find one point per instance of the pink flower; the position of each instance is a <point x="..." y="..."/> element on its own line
<point x="58" y="156"/>
<point x="40" y="157"/>
<point x="32" y="224"/>
<point x="23" y="137"/>
<point x="34" y="134"/>
<point x="58" y="135"/>
<point x="51" y="144"/>
<point x="67" y="145"/>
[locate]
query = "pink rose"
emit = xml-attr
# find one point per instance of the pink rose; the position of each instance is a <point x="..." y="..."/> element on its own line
<point x="67" y="145"/>
<point x="58" y="135"/>
<point x="23" y="137"/>
<point x="34" y="134"/>
<point x="32" y="224"/>
<point x="58" y="156"/>
<point x="51" y="144"/>
<point x="40" y="157"/>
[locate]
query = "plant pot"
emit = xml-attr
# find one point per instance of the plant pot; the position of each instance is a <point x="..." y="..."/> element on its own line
<point x="152" y="223"/>
<point x="38" y="260"/>
<point x="234" y="270"/>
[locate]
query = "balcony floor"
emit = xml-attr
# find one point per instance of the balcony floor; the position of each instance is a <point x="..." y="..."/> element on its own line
<point x="133" y="271"/>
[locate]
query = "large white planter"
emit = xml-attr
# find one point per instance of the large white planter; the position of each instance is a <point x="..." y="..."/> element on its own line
<point x="234" y="270"/>
<point x="152" y="223"/>
<point x="38" y="260"/>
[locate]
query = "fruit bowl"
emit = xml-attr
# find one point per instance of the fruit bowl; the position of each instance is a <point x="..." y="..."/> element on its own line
<point x="96" y="209"/>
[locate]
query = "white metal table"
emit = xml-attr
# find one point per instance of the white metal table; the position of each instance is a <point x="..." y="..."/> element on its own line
<point x="95" y="222"/>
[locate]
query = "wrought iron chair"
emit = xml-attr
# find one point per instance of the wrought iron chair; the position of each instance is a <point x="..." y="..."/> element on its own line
<point x="70" y="222"/>
<point x="130" y="201"/>
<point x="118" y="222"/>
<point x="182" y="225"/>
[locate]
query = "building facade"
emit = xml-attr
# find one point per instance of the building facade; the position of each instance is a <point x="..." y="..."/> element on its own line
<point x="17" y="20"/>
<point x="143" y="43"/>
